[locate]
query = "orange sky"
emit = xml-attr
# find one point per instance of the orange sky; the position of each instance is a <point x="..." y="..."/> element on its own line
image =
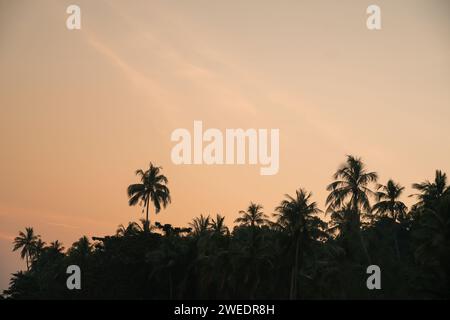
<point x="80" y="111"/>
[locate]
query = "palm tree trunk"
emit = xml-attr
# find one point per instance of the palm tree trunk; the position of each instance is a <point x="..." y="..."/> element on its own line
<point x="397" y="250"/>
<point x="26" y="259"/>
<point x="170" y="286"/>
<point x="363" y="245"/>
<point x="255" y="287"/>
<point x="291" y="292"/>
<point x="147" y="222"/>
<point x="294" y="274"/>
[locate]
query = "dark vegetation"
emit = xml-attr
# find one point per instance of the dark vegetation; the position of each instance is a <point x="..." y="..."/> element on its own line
<point x="293" y="254"/>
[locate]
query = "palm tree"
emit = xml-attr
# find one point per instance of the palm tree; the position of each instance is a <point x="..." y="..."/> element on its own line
<point x="81" y="248"/>
<point x="133" y="228"/>
<point x="389" y="206"/>
<point x="388" y="202"/>
<point x="253" y="216"/>
<point x="296" y="216"/>
<point x="218" y="225"/>
<point x="56" y="246"/>
<point x="431" y="192"/>
<point x="343" y="221"/>
<point x="431" y="230"/>
<point x="200" y="225"/>
<point x="27" y="242"/>
<point x="153" y="187"/>
<point x="38" y="248"/>
<point x="352" y="182"/>
<point x="21" y="286"/>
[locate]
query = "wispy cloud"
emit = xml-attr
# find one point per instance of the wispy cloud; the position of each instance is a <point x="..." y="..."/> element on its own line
<point x="211" y="84"/>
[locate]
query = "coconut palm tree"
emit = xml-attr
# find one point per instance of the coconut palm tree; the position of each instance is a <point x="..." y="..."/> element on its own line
<point x="390" y="208"/>
<point x="295" y="216"/>
<point x="351" y="191"/>
<point x="430" y="192"/>
<point x="56" y="246"/>
<point x="200" y="225"/>
<point x="22" y="286"/>
<point x="132" y="229"/>
<point x="153" y="187"/>
<point x="81" y="248"/>
<point x="434" y="230"/>
<point x="351" y="183"/>
<point x="431" y="230"/>
<point x="38" y="248"/>
<point x="218" y="225"/>
<point x="27" y="242"/>
<point x="388" y="203"/>
<point x="253" y="216"/>
<point x="341" y="222"/>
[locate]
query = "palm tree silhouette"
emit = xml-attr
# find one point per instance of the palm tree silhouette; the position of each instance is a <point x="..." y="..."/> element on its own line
<point x="200" y="225"/>
<point x="153" y="187"/>
<point x="352" y="182"/>
<point x="38" y="248"/>
<point x="218" y="225"/>
<point x="431" y="191"/>
<point x="388" y="202"/>
<point x="133" y="228"/>
<point x="27" y="242"/>
<point x="296" y="217"/>
<point x="390" y="208"/>
<point x="56" y="246"/>
<point x="81" y="248"/>
<point x="341" y="221"/>
<point x="433" y="231"/>
<point x="253" y="216"/>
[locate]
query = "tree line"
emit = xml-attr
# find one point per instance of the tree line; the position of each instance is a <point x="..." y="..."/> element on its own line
<point x="290" y="254"/>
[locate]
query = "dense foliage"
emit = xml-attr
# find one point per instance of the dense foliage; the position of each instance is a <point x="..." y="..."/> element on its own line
<point x="292" y="254"/>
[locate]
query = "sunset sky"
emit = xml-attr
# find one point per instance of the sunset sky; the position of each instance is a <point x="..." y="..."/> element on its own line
<point x="81" y="110"/>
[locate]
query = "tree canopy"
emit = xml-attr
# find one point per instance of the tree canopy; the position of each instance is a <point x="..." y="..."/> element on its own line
<point x="297" y="252"/>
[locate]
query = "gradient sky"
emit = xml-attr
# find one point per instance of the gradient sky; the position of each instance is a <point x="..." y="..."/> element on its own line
<point x="80" y="111"/>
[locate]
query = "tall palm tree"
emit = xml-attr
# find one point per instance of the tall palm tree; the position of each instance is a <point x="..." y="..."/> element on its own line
<point x="431" y="192"/>
<point x="218" y="225"/>
<point x="27" y="242"/>
<point x="389" y="206"/>
<point x="388" y="203"/>
<point x="350" y="191"/>
<point x="433" y="230"/>
<point x="295" y="215"/>
<point x="153" y="187"/>
<point x="351" y="184"/>
<point x="253" y="216"/>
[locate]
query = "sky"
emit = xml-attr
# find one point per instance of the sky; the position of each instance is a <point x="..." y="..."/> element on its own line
<point x="81" y="110"/>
